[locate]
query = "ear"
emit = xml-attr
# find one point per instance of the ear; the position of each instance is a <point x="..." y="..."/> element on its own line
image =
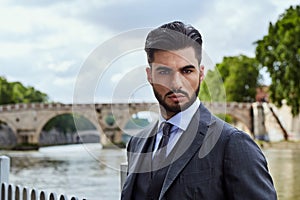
<point x="201" y="73"/>
<point x="149" y="75"/>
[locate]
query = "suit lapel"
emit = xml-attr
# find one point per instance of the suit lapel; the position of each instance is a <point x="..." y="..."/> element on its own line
<point x="188" y="144"/>
<point x="140" y="158"/>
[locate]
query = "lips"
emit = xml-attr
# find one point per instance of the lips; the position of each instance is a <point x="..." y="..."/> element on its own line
<point x="177" y="97"/>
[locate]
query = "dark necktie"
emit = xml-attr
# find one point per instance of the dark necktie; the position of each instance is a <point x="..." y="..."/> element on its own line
<point x="161" y="151"/>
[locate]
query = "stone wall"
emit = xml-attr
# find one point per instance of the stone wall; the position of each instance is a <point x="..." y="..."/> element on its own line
<point x="291" y="124"/>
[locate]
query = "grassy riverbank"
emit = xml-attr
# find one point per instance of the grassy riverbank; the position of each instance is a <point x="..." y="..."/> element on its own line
<point x="279" y="145"/>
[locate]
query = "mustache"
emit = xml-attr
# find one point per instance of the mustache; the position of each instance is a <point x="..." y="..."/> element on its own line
<point x="177" y="92"/>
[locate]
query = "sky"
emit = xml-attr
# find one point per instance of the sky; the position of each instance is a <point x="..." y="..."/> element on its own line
<point x="92" y="51"/>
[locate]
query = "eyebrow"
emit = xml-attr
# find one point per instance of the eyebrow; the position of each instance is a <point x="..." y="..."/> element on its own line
<point x="163" y="68"/>
<point x="188" y="67"/>
<point x="170" y="68"/>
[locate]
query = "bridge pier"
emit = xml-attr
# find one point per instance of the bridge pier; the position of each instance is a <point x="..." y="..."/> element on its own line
<point x="259" y="129"/>
<point x="27" y="139"/>
<point x="112" y="137"/>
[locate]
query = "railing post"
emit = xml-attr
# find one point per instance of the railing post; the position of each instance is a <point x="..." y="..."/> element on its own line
<point x="123" y="173"/>
<point x="18" y="193"/>
<point x="4" y="169"/>
<point x="9" y="191"/>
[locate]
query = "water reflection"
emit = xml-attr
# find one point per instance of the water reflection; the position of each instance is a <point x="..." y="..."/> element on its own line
<point x="284" y="167"/>
<point x="85" y="171"/>
<point x="88" y="171"/>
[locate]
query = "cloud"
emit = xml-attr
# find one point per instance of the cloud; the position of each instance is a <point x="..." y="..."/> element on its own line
<point x="130" y="14"/>
<point x="42" y="48"/>
<point x="34" y="3"/>
<point x="61" y="67"/>
<point x="50" y="44"/>
<point x="234" y="25"/>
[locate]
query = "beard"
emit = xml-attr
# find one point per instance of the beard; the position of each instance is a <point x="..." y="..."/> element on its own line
<point x="177" y="107"/>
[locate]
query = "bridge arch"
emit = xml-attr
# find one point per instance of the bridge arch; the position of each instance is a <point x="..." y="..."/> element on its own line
<point x="8" y="135"/>
<point x="137" y="122"/>
<point x="124" y="113"/>
<point x="150" y="116"/>
<point x="241" y="124"/>
<point x="65" y="130"/>
<point x="243" y="119"/>
<point x="241" y="111"/>
<point x="9" y="123"/>
<point x="47" y="117"/>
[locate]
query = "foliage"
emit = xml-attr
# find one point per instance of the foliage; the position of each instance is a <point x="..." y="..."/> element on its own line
<point x="212" y="88"/>
<point x="242" y="78"/>
<point x="239" y="75"/>
<point x="110" y="120"/>
<point x="227" y="118"/>
<point x="15" y="92"/>
<point x="279" y="52"/>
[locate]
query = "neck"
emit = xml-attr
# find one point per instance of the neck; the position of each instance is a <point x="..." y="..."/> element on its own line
<point x="166" y="114"/>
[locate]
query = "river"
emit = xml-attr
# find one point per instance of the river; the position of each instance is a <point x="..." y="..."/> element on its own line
<point x="88" y="171"/>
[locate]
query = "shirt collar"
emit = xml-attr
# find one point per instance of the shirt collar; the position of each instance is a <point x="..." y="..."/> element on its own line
<point x="182" y="119"/>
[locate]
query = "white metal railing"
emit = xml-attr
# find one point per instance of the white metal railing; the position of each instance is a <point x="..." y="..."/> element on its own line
<point x="12" y="192"/>
<point x="123" y="173"/>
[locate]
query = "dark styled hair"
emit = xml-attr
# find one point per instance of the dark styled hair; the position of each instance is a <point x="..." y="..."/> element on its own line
<point x="173" y="36"/>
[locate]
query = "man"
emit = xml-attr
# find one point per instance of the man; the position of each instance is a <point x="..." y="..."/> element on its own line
<point x="197" y="156"/>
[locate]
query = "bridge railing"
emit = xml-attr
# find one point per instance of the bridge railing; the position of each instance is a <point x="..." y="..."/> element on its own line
<point x="37" y="106"/>
<point x="11" y="192"/>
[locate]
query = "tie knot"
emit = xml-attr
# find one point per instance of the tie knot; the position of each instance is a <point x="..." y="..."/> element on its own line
<point x="166" y="128"/>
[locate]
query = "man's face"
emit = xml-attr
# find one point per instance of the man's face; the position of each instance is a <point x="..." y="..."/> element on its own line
<point x="175" y="77"/>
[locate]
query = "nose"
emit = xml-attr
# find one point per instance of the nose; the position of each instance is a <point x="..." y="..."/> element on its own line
<point x="176" y="81"/>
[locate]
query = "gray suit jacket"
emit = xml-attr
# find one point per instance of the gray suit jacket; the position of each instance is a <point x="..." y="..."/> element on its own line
<point x="212" y="160"/>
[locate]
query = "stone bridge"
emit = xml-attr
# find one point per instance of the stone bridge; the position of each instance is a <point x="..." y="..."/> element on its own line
<point x="28" y="120"/>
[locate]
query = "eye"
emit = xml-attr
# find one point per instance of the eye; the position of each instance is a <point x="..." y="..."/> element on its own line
<point x="187" y="71"/>
<point x="164" y="72"/>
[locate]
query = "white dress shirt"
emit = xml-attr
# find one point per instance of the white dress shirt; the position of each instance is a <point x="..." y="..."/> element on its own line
<point x="180" y="122"/>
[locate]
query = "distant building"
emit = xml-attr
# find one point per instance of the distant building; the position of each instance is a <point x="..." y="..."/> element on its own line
<point x="262" y="94"/>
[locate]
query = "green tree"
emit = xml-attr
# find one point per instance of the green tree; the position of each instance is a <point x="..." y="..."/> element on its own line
<point x="212" y="88"/>
<point x="279" y="52"/>
<point x="5" y="91"/>
<point x="240" y="77"/>
<point x="16" y="92"/>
